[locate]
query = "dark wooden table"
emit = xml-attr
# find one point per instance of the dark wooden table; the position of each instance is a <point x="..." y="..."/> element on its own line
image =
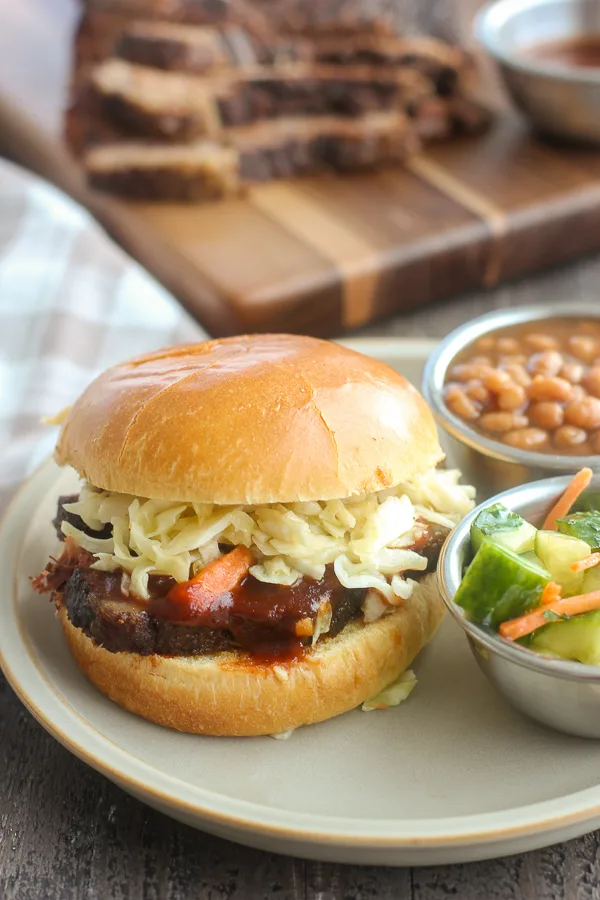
<point x="66" y="832"/>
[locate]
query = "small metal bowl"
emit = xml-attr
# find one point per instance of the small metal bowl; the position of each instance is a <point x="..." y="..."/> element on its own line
<point x="564" y="695"/>
<point x="488" y="464"/>
<point x="560" y="100"/>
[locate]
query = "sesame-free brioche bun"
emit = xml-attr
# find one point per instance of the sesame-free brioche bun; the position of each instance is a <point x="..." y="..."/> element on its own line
<point x="249" y="420"/>
<point x="228" y="694"/>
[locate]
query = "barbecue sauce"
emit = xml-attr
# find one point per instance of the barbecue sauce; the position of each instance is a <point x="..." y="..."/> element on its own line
<point x="261" y="617"/>
<point x="576" y="52"/>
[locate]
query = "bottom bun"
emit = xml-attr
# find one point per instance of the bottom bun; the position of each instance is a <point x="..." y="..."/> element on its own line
<point x="226" y="694"/>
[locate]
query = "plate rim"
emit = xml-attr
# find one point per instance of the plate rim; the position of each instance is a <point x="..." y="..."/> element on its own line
<point x="431" y="834"/>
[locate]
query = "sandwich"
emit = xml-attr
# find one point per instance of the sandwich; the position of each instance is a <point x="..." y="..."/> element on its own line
<point x="253" y="544"/>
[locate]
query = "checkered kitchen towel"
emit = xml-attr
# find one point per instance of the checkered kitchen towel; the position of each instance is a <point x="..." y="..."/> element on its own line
<point x="71" y="304"/>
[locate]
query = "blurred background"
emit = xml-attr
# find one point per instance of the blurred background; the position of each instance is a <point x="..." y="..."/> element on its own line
<point x="313" y="166"/>
<point x="351" y="88"/>
<point x="36" y="45"/>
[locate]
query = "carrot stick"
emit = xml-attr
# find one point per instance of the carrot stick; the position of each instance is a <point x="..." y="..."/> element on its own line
<point x="588" y="563"/>
<point x="567" y="606"/>
<point x="217" y="578"/>
<point x="577" y="486"/>
<point x="551" y="592"/>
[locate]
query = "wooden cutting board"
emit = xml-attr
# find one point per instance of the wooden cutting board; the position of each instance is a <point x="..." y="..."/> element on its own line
<point x="328" y="254"/>
<point x="322" y="255"/>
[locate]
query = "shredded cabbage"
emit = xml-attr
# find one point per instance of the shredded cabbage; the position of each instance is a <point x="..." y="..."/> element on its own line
<point x="366" y="538"/>
<point x="394" y="693"/>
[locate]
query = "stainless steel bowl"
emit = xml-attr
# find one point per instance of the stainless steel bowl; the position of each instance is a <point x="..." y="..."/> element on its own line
<point x="488" y="464"/>
<point x="559" y="100"/>
<point x="564" y="695"/>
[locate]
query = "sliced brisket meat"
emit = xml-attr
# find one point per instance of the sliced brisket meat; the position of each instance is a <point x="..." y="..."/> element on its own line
<point x="178" y="106"/>
<point x="198" y="49"/>
<point x="264" y="617"/>
<point x="76" y="521"/>
<point x="265" y="150"/>
<point x="267" y="619"/>
<point x="202" y="170"/>
<point x="95" y="604"/>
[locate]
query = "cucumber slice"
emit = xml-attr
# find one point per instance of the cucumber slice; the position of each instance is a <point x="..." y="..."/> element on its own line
<point x="556" y="552"/>
<point x="577" y="638"/>
<point x="504" y="527"/>
<point x="588" y="502"/>
<point x="582" y="525"/>
<point x="531" y="557"/>
<point x="591" y="580"/>
<point x="499" y="585"/>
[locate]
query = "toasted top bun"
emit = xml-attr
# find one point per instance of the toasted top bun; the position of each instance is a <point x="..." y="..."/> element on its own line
<point x="249" y="420"/>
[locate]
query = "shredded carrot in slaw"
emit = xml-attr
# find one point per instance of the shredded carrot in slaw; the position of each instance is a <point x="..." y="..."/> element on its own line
<point x="551" y="593"/>
<point x="217" y="578"/>
<point x="588" y="563"/>
<point x="575" y="489"/>
<point x="566" y="606"/>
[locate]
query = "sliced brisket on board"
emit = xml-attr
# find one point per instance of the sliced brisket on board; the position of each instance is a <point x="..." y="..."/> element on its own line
<point x="447" y="65"/>
<point x="194" y="12"/>
<point x="206" y="169"/>
<point x="201" y="48"/>
<point x="174" y="105"/>
<point x="183" y="100"/>
<point x="199" y="170"/>
<point x="340" y="17"/>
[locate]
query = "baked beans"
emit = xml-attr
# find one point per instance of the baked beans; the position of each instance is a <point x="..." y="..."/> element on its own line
<point x="519" y="358"/>
<point x="584" y="413"/>
<point x="518" y="374"/>
<point x="502" y="421"/>
<point x="539" y="342"/>
<point x="527" y="438"/>
<point x="497" y="380"/>
<point x="486" y="343"/>
<point x="591" y="381"/>
<point x="470" y="372"/>
<point x="512" y="396"/>
<point x="534" y="387"/>
<point x="550" y="362"/>
<point x="508" y="345"/>
<point x="546" y="415"/>
<point x="459" y="403"/>
<point x="567" y="436"/>
<point x="547" y="387"/>
<point x="583" y="347"/>
<point x="475" y="390"/>
<point x="573" y="372"/>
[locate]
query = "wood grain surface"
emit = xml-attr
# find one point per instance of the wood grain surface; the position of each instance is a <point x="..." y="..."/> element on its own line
<point x="329" y="253"/>
<point x="67" y="833"/>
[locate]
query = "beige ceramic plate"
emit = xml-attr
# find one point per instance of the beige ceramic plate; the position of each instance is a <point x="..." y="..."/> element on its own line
<point x="451" y="775"/>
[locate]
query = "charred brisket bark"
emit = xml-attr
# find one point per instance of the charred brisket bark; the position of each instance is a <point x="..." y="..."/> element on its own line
<point x="201" y="49"/>
<point x="172" y="105"/>
<point x="255" y="153"/>
<point x="94" y="603"/>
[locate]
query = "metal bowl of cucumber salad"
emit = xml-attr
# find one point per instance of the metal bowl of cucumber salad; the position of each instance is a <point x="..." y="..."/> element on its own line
<point x="521" y="575"/>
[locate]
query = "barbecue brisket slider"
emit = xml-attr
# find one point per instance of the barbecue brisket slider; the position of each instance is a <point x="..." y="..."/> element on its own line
<point x="250" y="547"/>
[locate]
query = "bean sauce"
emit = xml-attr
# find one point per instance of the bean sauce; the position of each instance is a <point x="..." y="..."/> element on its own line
<point x="534" y="386"/>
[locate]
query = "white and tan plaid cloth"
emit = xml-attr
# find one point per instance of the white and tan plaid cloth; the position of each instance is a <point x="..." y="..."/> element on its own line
<point x="71" y="304"/>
